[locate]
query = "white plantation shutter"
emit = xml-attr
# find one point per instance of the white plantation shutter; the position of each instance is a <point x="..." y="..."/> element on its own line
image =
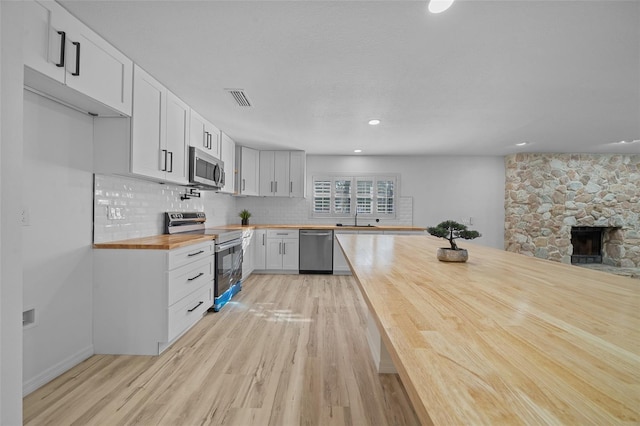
<point x="364" y="195"/>
<point x="385" y="196"/>
<point x="322" y="196"/>
<point x="340" y="196"/>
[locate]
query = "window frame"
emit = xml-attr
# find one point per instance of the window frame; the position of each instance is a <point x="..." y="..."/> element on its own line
<point x="373" y="196"/>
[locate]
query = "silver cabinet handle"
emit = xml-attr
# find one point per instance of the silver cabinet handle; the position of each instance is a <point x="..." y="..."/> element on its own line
<point x="263" y="235"/>
<point x="196" y="253"/>
<point x="290" y="187"/>
<point x="284" y="248"/>
<point x="205" y="140"/>
<point x="243" y="186"/>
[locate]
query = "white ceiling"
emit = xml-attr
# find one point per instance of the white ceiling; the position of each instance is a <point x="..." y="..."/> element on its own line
<point x="474" y="80"/>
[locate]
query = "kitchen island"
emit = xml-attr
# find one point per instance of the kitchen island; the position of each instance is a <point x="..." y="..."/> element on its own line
<point x="503" y="338"/>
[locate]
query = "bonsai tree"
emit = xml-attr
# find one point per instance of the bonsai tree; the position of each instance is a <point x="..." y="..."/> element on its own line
<point x="245" y="215"/>
<point x="450" y="230"/>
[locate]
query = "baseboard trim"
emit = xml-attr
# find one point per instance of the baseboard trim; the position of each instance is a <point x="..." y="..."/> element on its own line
<point x="52" y="372"/>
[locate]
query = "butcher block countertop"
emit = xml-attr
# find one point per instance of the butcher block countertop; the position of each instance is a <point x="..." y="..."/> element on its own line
<point x="503" y="338"/>
<point x="157" y="242"/>
<point x="168" y="242"/>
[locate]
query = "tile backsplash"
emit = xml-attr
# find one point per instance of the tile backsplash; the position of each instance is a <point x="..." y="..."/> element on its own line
<point x="141" y="206"/>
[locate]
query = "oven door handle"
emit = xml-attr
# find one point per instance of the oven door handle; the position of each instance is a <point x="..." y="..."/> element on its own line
<point x="225" y="246"/>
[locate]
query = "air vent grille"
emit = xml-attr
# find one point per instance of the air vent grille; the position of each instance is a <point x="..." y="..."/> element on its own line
<point x="240" y="97"/>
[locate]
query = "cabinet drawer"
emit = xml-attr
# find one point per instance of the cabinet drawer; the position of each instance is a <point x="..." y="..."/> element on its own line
<point x="187" y="279"/>
<point x="282" y="233"/>
<point x="186" y="255"/>
<point x="189" y="310"/>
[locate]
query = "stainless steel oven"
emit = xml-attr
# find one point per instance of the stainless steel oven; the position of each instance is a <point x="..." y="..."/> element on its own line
<point x="228" y="264"/>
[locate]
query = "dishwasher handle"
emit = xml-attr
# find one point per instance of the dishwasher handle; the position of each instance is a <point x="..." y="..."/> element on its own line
<point x="315" y="234"/>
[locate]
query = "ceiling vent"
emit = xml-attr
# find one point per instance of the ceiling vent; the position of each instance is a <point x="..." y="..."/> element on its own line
<point x="240" y="97"/>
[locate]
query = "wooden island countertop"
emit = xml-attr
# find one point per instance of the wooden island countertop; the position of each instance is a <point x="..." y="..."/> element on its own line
<point x="503" y="338"/>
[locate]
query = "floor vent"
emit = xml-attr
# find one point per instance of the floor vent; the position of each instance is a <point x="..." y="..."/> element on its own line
<point x="240" y="97"/>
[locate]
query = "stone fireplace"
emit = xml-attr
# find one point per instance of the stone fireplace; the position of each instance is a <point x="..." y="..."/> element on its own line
<point x="574" y="208"/>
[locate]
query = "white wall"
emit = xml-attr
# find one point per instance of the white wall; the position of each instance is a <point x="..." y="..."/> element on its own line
<point x="57" y="188"/>
<point x="438" y="188"/>
<point x="442" y="187"/>
<point x="11" y="81"/>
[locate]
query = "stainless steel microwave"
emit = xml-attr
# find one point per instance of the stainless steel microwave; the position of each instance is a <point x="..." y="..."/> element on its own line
<point x="205" y="171"/>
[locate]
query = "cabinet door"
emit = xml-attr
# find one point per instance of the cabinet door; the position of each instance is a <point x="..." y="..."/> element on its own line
<point x="260" y="249"/>
<point x="297" y="174"/>
<point x="274" y="254"/>
<point x="266" y="180"/>
<point x="228" y="156"/>
<point x="148" y="132"/>
<point x="177" y="121"/>
<point x="248" y="241"/>
<point x="198" y="137"/>
<point x="290" y="255"/>
<point x="41" y="42"/>
<point x="97" y="69"/>
<point x="281" y="174"/>
<point x="340" y="264"/>
<point x="214" y="140"/>
<point x="249" y="171"/>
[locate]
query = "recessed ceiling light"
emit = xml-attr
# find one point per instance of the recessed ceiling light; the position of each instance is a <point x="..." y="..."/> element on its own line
<point x="522" y="144"/>
<point x="374" y="122"/>
<point x="357" y="150"/>
<point x="437" y="6"/>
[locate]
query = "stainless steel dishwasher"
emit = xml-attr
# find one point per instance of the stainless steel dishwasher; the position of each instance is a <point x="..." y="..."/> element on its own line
<point x="316" y="251"/>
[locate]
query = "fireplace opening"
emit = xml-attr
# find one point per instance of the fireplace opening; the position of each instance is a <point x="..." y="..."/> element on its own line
<point x="587" y="244"/>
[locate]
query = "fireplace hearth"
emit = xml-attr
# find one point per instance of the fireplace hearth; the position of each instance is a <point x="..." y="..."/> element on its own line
<point x="587" y="244"/>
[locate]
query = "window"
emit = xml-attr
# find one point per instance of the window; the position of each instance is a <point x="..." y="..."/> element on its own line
<point x="340" y="196"/>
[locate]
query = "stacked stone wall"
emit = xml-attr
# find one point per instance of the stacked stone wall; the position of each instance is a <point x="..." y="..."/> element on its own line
<point x="547" y="194"/>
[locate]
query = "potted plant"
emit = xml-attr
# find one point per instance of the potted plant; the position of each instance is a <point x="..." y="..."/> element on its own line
<point x="451" y="230"/>
<point x="245" y="215"/>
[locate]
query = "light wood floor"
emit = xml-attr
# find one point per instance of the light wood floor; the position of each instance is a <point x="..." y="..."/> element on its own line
<point x="289" y="350"/>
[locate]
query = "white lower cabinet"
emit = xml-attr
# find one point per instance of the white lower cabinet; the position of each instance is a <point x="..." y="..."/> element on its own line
<point x="248" y="240"/>
<point x="340" y="265"/>
<point x="260" y="250"/>
<point x="143" y="300"/>
<point x="283" y="249"/>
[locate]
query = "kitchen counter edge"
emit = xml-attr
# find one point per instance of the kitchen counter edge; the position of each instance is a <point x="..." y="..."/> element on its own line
<point x="169" y="242"/>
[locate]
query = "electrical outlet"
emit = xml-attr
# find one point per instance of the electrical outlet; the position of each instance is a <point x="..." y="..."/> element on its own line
<point x="115" y="213"/>
<point x="26" y="217"/>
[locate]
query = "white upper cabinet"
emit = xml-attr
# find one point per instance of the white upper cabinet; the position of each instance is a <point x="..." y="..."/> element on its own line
<point x="204" y="135"/>
<point x="282" y="173"/>
<point x="297" y="174"/>
<point x="177" y="169"/>
<point x="148" y="132"/>
<point x="228" y="157"/>
<point x="153" y="142"/>
<point x="248" y="165"/>
<point x="58" y="48"/>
